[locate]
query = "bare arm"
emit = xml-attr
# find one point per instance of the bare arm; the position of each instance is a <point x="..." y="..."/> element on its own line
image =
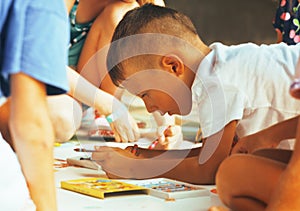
<point x="197" y="166"/>
<point x="33" y="138"/>
<point x="203" y="167"/>
<point x="82" y="90"/>
<point x="267" y="138"/>
<point x="282" y="130"/>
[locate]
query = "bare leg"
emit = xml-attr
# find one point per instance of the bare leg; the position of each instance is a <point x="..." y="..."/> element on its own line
<point x="245" y="181"/>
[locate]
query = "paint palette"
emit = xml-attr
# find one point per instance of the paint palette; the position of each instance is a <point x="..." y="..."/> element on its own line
<point x="101" y="187"/>
<point x="101" y="135"/>
<point x="170" y="189"/>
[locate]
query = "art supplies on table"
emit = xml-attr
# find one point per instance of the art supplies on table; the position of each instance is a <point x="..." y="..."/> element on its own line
<point x="101" y="187"/>
<point x="101" y="134"/>
<point x="159" y="187"/>
<point x="170" y="189"/>
<point x="82" y="161"/>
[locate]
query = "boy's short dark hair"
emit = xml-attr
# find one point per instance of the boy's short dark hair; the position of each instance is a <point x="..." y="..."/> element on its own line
<point x="146" y="19"/>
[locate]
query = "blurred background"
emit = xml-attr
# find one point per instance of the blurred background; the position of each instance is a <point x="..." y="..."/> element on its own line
<point x="230" y="21"/>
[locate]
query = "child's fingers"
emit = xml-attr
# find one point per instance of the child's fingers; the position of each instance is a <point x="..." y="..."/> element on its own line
<point x="171" y="138"/>
<point x="172" y="130"/>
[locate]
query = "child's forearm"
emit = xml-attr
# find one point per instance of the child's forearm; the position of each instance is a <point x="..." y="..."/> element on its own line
<point x="202" y="163"/>
<point x="185" y="165"/>
<point x="85" y="92"/>
<point x="181" y="165"/>
<point x="280" y="131"/>
<point x="176" y="165"/>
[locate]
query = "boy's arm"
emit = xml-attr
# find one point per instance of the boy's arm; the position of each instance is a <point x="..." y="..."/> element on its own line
<point x="33" y="138"/>
<point x="285" y="196"/>
<point x="267" y="138"/>
<point x="197" y="166"/>
<point x="202" y="168"/>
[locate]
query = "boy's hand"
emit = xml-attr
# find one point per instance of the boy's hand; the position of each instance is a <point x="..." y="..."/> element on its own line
<point x="169" y="138"/>
<point x="125" y="163"/>
<point x="116" y="162"/>
<point x="134" y="162"/>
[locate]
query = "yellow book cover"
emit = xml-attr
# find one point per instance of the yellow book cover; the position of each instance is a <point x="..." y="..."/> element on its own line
<point x="101" y="187"/>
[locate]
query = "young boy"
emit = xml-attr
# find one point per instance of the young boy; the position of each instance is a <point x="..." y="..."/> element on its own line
<point x="157" y="54"/>
<point x="272" y="173"/>
<point x="32" y="65"/>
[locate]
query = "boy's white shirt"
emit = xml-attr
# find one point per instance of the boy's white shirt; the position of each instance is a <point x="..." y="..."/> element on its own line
<point x="248" y="83"/>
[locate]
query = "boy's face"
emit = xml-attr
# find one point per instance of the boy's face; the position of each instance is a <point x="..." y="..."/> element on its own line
<point x="160" y="101"/>
<point x="160" y="90"/>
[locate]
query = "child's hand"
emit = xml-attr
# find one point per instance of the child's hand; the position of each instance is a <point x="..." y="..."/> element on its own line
<point x="116" y="162"/>
<point x="169" y="138"/>
<point x="133" y="162"/>
<point x="124" y="126"/>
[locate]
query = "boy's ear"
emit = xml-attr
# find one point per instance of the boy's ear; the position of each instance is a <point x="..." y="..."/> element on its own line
<point x="173" y="64"/>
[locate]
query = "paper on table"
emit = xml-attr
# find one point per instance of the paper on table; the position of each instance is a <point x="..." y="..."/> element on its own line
<point x="142" y="142"/>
